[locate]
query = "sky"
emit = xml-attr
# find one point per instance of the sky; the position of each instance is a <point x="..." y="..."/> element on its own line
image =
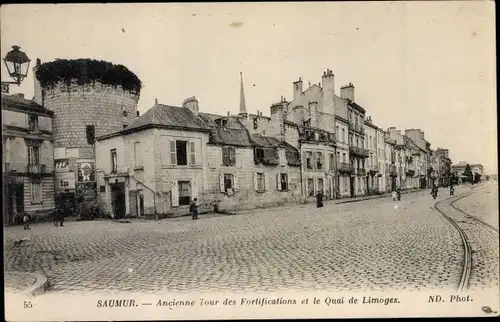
<point x="427" y="65"/>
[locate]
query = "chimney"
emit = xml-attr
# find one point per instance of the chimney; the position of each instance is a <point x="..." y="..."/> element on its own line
<point x="328" y="95"/>
<point x="347" y="92"/>
<point x="37" y="87"/>
<point x="297" y="89"/>
<point x="156" y="101"/>
<point x="313" y="113"/>
<point x="260" y="114"/>
<point x="277" y="118"/>
<point x="191" y="103"/>
<point x="228" y="115"/>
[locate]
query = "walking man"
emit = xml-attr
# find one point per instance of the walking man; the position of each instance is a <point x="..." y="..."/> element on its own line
<point x="194" y="208"/>
<point x="26" y="221"/>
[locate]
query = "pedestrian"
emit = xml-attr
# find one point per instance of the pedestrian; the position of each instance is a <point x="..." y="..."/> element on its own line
<point x="394" y="195"/>
<point x="62" y="214"/>
<point x="55" y="216"/>
<point x="26" y="221"/>
<point x="194" y="208"/>
<point x="398" y="194"/>
<point x="319" y="199"/>
<point x="452" y="190"/>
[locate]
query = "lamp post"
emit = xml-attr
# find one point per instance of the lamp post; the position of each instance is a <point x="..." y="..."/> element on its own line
<point x="17" y="63"/>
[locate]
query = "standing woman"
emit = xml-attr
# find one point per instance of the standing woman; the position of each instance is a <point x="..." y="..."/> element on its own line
<point x="319" y="199"/>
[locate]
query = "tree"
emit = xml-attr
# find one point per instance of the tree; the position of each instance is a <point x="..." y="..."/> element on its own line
<point x="468" y="173"/>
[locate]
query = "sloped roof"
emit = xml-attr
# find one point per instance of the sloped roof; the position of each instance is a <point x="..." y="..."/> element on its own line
<point x="18" y="100"/>
<point x="228" y="136"/>
<point x="234" y="133"/>
<point x="168" y="116"/>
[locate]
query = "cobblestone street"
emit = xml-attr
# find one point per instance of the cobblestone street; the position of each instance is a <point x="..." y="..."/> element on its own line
<point x="371" y="245"/>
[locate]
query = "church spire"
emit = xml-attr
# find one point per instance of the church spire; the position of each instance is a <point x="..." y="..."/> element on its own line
<point x="243" y="106"/>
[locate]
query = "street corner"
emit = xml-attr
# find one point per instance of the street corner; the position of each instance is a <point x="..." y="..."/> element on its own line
<point x="24" y="283"/>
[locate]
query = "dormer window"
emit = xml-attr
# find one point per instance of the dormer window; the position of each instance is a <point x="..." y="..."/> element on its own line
<point x="32" y="123"/>
<point x="255" y="124"/>
<point x="222" y="122"/>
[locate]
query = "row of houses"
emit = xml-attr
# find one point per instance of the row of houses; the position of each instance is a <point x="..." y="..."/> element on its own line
<point x="317" y="142"/>
<point x="161" y="160"/>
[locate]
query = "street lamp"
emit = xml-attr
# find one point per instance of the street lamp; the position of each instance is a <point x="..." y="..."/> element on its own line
<point x="17" y="63"/>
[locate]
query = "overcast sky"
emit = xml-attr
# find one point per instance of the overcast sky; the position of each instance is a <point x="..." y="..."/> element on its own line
<point x="414" y="65"/>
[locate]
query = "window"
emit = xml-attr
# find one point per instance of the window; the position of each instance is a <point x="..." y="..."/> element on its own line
<point x="184" y="193"/>
<point x="102" y="188"/>
<point x="255" y="124"/>
<point x="308" y="160"/>
<point x="350" y="139"/>
<point x="114" y="161"/>
<point x="36" y="192"/>
<point x="229" y="156"/>
<point x="178" y="152"/>
<point x="228" y="181"/>
<point x="319" y="161"/>
<point x="332" y="161"/>
<point x="310" y="187"/>
<point x="33" y="154"/>
<point x="32" y="123"/>
<point x="137" y="155"/>
<point x="282" y="182"/>
<point x="357" y="142"/>
<point x="337" y="131"/>
<point x="343" y="157"/>
<point x="320" y="184"/>
<point x="192" y="153"/>
<point x="343" y="135"/>
<point x="259" y="154"/>
<point x="261" y="185"/>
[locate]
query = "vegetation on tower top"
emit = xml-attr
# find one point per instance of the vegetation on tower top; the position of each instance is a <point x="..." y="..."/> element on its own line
<point x="87" y="72"/>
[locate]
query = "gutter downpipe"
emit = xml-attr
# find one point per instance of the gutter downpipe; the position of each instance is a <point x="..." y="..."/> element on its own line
<point x="154" y="193"/>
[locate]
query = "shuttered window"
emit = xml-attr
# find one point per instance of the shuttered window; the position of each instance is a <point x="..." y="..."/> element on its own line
<point x="192" y="153"/>
<point x="228" y="156"/>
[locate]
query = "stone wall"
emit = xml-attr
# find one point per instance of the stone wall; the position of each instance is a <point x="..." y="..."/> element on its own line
<point x="75" y="107"/>
<point x="47" y="205"/>
<point x="245" y="195"/>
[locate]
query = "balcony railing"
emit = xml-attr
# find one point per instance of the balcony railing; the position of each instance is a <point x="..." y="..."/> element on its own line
<point x="36" y="169"/>
<point x="358" y="128"/>
<point x="345" y="167"/>
<point x="359" y="151"/>
<point x="361" y="172"/>
<point x="374" y="169"/>
<point x="410" y="173"/>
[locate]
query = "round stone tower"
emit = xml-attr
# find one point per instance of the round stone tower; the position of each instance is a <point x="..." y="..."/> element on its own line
<point x="89" y="99"/>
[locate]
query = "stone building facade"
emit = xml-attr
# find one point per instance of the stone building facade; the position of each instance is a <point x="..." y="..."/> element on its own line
<point x="82" y="111"/>
<point x="171" y="155"/>
<point x="27" y="158"/>
<point x="157" y="164"/>
<point x="249" y="170"/>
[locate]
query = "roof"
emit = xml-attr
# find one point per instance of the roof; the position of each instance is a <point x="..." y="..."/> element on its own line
<point x="234" y="133"/>
<point x="228" y="136"/>
<point x="18" y="101"/>
<point x="355" y="105"/>
<point x="169" y="116"/>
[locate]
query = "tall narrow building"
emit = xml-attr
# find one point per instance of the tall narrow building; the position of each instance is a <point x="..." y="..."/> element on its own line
<point x="243" y="106"/>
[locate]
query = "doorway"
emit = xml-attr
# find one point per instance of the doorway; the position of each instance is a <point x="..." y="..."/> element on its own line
<point x="16" y="202"/>
<point x="118" y="199"/>
<point x="351" y="182"/>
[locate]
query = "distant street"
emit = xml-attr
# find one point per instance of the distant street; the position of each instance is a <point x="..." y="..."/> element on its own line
<point x="371" y="245"/>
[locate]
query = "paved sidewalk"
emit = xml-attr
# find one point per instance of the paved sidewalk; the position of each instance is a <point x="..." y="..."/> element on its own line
<point x="25" y="283"/>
